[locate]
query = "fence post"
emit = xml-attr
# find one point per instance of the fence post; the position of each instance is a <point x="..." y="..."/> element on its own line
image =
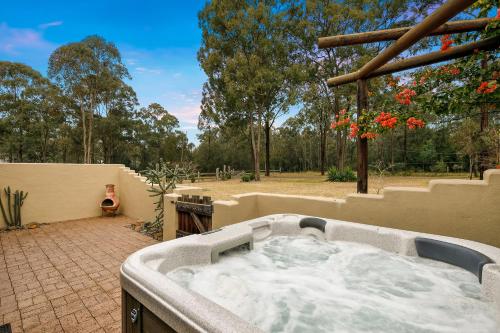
<point x="217" y="174"/>
<point x="170" y="219"/>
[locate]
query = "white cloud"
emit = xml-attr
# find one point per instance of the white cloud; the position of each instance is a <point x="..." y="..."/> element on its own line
<point x="145" y="70"/>
<point x="131" y="61"/>
<point x="187" y="128"/>
<point x="13" y="40"/>
<point x="187" y="114"/>
<point x="50" y="24"/>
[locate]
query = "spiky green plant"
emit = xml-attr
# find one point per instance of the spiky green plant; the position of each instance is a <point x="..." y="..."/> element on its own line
<point x="162" y="179"/>
<point x="12" y="213"/>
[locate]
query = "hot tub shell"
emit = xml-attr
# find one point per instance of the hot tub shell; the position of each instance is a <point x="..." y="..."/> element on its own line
<point x="155" y="301"/>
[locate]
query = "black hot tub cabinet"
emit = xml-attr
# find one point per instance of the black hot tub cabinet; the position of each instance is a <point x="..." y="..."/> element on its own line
<point x="153" y="303"/>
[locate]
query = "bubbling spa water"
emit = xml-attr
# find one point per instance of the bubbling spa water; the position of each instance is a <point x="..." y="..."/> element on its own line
<point x="301" y="284"/>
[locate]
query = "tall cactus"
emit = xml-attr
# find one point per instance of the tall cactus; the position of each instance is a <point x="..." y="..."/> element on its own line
<point x="12" y="213"/>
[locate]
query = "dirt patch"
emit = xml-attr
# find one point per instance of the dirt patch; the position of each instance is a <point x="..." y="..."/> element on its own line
<point x="309" y="183"/>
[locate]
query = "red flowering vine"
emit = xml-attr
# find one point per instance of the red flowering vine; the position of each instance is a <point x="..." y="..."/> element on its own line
<point x="342" y="122"/>
<point x="386" y="120"/>
<point x="392" y="81"/>
<point x="404" y="97"/>
<point x="449" y="70"/>
<point x="354" y="131"/>
<point x="369" y="135"/>
<point x="425" y="76"/>
<point x="413" y="123"/>
<point x="486" y="87"/>
<point x="446" y="42"/>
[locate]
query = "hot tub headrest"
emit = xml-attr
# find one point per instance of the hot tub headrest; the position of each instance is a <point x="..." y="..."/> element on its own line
<point x="453" y="254"/>
<point x="313" y="222"/>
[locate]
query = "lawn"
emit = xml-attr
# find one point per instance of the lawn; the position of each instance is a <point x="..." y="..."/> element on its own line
<point x="312" y="184"/>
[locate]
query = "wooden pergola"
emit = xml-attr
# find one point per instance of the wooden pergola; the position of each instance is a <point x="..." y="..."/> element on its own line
<point x="433" y="25"/>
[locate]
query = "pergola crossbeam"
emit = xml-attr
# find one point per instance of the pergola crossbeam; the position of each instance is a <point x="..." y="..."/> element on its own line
<point x="430" y="23"/>
<point x="393" y="34"/>
<point x="421" y="60"/>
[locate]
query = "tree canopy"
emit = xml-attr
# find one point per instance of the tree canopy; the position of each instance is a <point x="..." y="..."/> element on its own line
<point x="265" y="103"/>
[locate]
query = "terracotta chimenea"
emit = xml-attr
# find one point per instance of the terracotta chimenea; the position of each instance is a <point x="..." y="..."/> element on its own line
<point x="110" y="203"/>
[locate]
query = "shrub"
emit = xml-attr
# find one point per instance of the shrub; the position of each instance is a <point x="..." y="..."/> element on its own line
<point x="440" y="166"/>
<point x="247" y="177"/>
<point x="346" y="175"/>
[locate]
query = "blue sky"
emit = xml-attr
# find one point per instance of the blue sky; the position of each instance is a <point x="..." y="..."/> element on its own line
<point x="158" y="41"/>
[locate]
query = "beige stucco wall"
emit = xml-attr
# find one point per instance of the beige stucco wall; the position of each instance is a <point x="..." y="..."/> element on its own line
<point x="135" y="201"/>
<point x="458" y="208"/>
<point x="59" y="192"/>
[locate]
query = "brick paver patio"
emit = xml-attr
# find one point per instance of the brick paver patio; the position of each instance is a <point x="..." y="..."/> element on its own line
<point x="64" y="277"/>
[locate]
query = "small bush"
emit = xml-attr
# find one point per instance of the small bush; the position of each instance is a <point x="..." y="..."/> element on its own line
<point x="247" y="177"/>
<point x="347" y="175"/>
<point x="439" y="167"/>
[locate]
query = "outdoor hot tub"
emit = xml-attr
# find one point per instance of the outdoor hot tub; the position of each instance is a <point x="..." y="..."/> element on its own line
<point x="293" y="273"/>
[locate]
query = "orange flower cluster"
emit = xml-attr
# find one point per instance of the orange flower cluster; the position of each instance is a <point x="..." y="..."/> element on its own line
<point x="385" y="119"/>
<point x="446" y="42"/>
<point x="404" y="97"/>
<point x="341" y="122"/>
<point x="392" y="82"/>
<point x="498" y="13"/>
<point x="486" y="88"/>
<point x="424" y="77"/>
<point x="354" y="131"/>
<point x="369" y="135"/>
<point x="413" y="123"/>
<point x="450" y="70"/>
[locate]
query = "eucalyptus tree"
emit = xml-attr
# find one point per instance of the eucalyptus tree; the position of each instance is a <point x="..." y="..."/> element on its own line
<point x="159" y="136"/>
<point x="48" y="114"/>
<point x="245" y="53"/>
<point x="321" y="18"/>
<point x="86" y="71"/>
<point x="115" y="123"/>
<point x="29" y="111"/>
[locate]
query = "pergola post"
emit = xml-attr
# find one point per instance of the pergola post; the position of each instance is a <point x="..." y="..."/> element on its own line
<point x="433" y="24"/>
<point x="362" y="143"/>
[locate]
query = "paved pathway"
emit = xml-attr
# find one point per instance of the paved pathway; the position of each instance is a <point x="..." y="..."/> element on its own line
<point x="64" y="277"/>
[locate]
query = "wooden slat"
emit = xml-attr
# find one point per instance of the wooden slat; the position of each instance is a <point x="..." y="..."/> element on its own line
<point x="422" y="60"/>
<point x="189" y="207"/>
<point x="198" y="223"/>
<point x="440" y="16"/>
<point x="393" y="34"/>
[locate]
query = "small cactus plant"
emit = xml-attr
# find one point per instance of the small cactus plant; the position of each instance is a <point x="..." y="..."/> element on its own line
<point x="12" y="212"/>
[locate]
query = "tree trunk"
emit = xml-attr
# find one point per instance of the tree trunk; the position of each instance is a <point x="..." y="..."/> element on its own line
<point x="392" y="147"/>
<point x="339" y="139"/>
<point x="322" y="148"/>
<point x="362" y="167"/>
<point x="209" y="144"/>
<point x="255" y="148"/>
<point x="483" y="154"/>
<point x="45" y="135"/>
<point x="267" y="130"/>
<point x="405" y="135"/>
<point x="89" y="136"/>
<point x="84" y="132"/>
<point x="21" y="147"/>
<point x="251" y="152"/>
<point x="470" y="166"/>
